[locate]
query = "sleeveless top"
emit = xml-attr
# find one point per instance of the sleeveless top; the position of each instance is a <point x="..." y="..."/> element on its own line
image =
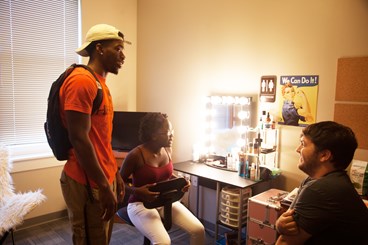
<point x="148" y="175"/>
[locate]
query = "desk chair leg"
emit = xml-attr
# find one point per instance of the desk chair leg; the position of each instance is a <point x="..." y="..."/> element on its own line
<point x="146" y="241"/>
<point x="3" y="238"/>
<point x="12" y="234"/>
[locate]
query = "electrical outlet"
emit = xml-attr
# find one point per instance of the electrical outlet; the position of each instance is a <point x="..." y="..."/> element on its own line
<point x="194" y="181"/>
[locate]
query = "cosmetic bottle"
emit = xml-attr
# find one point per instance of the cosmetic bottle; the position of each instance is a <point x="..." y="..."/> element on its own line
<point x="229" y="161"/>
<point x="241" y="170"/>
<point x="253" y="171"/>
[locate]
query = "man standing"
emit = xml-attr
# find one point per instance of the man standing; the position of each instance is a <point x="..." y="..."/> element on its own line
<point x="90" y="182"/>
<point x="327" y="209"/>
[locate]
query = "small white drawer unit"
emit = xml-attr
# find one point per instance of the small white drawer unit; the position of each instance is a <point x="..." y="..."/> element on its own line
<point x="233" y="206"/>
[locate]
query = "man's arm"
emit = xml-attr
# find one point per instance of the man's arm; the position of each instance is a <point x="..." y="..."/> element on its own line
<point x="289" y="231"/>
<point x="79" y="125"/>
<point x="286" y="225"/>
<point x="300" y="238"/>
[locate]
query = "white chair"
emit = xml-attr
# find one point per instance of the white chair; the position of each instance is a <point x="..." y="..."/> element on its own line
<point x="13" y="206"/>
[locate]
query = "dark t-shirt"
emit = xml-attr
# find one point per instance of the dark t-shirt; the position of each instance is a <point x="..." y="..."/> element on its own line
<point x="331" y="211"/>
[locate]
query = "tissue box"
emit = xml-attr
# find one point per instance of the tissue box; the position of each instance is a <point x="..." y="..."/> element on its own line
<point x="359" y="176"/>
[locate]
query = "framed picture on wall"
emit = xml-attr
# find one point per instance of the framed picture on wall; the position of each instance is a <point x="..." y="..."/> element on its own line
<point x="298" y="103"/>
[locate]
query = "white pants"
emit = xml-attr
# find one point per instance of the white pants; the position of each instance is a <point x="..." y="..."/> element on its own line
<point x="148" y="222"/>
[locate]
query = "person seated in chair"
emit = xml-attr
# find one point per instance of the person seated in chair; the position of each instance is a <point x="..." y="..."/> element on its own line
<point x="148" y="164"/>
<point x="327" y="208"/>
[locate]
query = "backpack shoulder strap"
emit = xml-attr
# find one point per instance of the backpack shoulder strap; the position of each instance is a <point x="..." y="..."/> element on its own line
<point x="53" y="98"/>
<point x="98" y="100"/>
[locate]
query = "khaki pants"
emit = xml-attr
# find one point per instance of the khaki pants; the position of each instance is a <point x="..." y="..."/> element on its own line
<point x="78" y="203"/>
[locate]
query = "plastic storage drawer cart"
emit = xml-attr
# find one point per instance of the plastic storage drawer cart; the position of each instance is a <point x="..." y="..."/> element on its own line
<point x="263" y="211"/>
<point x="232" y="212"/>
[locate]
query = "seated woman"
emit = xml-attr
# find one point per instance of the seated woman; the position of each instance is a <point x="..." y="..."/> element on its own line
<point x="148" y="164"/>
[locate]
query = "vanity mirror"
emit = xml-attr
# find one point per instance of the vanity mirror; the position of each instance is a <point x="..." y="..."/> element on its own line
<point x="227" y="118"/>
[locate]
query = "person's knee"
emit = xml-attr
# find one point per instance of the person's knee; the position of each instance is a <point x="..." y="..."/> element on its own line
<point x="198" y="230"/>
<point x="200" y="227"/>
<point x="197" y="235"/>
<point x="162" y="241"/>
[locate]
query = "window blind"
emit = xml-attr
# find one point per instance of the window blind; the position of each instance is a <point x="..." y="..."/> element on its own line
<point x="37" y="43"/>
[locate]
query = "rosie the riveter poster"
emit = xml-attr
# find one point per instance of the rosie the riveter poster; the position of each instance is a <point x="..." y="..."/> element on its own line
<point x="298" y="104"/>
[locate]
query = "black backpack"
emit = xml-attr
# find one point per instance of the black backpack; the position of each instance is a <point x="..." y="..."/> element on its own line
<point x="56" y="133"/>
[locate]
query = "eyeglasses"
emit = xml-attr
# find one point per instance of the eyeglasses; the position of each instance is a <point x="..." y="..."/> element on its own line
<point x="168" y="133"/>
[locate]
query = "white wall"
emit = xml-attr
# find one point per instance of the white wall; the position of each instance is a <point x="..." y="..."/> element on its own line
<point x="123" y="15"/>
<point x="191" y="49"/>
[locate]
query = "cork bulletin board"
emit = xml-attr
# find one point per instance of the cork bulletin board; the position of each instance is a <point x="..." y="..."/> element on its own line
<point x="352" y="79"/>
<point x="351" y="98"/>
<point x="354" y="116"/>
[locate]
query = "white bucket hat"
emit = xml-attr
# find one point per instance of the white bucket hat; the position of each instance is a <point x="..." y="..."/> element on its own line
<point x="100" y="32"/>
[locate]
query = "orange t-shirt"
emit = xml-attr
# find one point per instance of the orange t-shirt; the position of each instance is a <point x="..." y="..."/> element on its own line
<point x="77" y="94"/>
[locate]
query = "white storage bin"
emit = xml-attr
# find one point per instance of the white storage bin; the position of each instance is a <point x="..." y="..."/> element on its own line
<point x="233" y="216"/>
<point x="232" y="209"/>
<point x="230" y="205"/>
<point x="232" y="222"/>
<point x="233" y="194"/>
